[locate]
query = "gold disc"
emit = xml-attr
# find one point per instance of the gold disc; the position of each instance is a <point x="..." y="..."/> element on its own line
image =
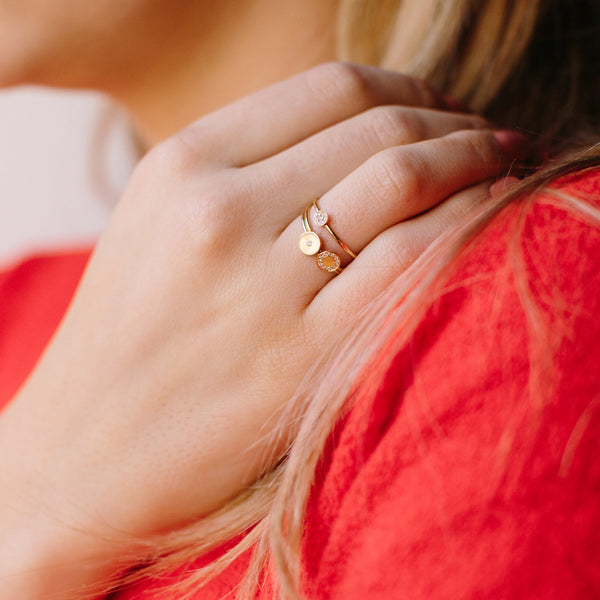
<point x="328" y="261"/>
<point x="309" y="243"/>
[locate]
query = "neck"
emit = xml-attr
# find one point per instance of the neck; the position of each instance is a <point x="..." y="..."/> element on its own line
<point x="223" y="55"/>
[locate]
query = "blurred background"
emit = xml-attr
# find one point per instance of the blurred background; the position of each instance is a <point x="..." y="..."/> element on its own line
<point x="65" y="158"/>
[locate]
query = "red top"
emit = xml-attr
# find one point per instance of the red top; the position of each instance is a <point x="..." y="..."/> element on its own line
<point x="456" y="483"/>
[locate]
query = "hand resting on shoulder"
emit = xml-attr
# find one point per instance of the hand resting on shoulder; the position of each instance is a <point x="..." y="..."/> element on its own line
<point x="198" y="315"/>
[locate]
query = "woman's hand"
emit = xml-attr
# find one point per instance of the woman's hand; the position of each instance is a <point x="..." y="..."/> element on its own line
<point x="198" y="315"/>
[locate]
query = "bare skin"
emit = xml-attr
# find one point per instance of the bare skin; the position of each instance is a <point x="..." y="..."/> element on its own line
<point x="168" y="63"/>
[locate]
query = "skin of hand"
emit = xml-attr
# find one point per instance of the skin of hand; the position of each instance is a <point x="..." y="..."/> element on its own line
<point x="198" y="316"/>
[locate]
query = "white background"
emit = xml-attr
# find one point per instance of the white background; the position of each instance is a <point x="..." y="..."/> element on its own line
<point x="64" y="160"/>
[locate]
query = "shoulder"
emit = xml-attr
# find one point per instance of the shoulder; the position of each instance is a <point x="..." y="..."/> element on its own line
<point x="473" y="473"/>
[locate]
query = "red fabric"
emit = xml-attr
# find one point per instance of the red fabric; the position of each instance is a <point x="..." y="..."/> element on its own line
<point x="458" y="482"/>
<point x="33" y="298"/>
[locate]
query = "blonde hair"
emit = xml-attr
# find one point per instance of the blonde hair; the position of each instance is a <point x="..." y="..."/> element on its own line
<point x="493" y="56"/>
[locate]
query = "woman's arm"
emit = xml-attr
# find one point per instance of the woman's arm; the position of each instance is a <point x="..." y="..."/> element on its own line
<point x="198" y="315"/>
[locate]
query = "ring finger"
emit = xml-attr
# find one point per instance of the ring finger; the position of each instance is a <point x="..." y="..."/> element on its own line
<point x="396" y="185"/>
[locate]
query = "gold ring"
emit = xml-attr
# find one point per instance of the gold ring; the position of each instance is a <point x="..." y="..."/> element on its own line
<point x="310" y="244"/>
<point x="322" y="218"/>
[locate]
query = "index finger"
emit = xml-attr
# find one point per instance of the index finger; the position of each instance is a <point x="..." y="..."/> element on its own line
<point x="285" y="113"/>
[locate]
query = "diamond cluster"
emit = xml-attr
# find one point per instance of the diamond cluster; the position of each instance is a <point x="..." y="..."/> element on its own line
<point x="321" y="217"/>
<point x="328" y="261"/>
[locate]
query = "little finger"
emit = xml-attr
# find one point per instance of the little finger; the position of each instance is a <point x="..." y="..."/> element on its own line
<point x="389" y="255"/>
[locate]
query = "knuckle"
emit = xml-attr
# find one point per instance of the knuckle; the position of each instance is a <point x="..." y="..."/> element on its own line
<point x="394" y="125"/>
<point x="342" y="80"/>
<point x="395" y="173"/>
<point x="208" y="219"/>
<point x="401" y="254"/>
<point x="173" y="156"/>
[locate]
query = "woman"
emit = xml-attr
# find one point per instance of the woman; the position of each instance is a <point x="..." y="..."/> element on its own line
<point x="181" y="373"/>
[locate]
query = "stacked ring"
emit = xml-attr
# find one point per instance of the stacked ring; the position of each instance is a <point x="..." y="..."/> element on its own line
<point x="310" y="242"/>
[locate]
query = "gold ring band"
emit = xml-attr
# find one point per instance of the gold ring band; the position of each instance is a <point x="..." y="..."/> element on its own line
<point x="321" y="218"/>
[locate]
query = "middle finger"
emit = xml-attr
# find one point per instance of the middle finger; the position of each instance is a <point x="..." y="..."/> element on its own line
<point x="315" y="165"/>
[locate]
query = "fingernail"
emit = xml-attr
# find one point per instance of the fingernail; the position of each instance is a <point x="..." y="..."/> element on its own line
<point x="513" y="142"/>
<point x="503" y="185"/>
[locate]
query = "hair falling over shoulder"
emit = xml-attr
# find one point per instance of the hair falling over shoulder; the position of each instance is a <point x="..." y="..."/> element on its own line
<point x="532" y="65"/>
